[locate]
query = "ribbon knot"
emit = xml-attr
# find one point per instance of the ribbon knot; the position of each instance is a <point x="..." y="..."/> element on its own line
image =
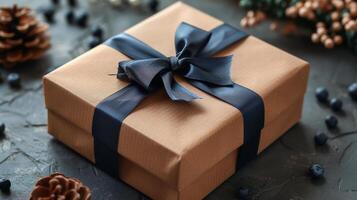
<point x="153" y="70"/>
<point x="174" y="63"/>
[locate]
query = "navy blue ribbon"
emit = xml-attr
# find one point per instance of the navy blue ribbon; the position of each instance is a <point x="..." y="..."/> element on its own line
<point x="149" y="70"/>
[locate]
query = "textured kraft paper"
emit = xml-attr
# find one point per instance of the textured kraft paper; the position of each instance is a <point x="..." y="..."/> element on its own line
<point x="155" y="188"/>
<point x="177" y="142"/>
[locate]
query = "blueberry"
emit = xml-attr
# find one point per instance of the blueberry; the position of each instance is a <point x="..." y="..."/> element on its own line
<point x="14" y="80"/>
<point x="320" y="138"/>
<point x="1" y="78"/>
<point x="316" y="171"/>
<point x="82" y="19"/>
<point x="70" y="16"/>
<point x="5" y="185"/>
<point x="331" y="122"/>
<point x="336" y="104"/>
<point x="72" y="3"/>
<point x="352" y="91"/>
<point x="97" y="32"/>
<point x="56" y="2"/>
<point x="243" y="193"/>
<point x="94" y="42"/>
<point x="321" y="94"/>
<point x="153" y="5"/>
<point x="49" y="14"/>
<point x="2" y="128"/>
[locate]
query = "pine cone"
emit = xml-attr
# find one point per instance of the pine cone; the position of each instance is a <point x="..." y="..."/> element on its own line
<point x="22" y="37"/>
<point x="59" y="187"/>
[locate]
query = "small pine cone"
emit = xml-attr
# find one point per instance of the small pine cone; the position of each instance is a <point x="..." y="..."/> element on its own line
<point x="59" y="187"/>
<point x="22" y="37"/>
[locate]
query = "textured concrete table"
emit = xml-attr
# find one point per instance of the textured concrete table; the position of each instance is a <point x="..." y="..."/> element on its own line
<point x="28" y="152"/>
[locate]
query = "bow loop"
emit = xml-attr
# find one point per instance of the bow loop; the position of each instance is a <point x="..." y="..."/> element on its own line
<point x="215" y="70"/>
<point x="190" y="40"/>
<point x="175" y="91"/>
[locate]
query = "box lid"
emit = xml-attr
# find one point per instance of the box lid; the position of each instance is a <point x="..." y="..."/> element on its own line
<point x="176" y="142"/>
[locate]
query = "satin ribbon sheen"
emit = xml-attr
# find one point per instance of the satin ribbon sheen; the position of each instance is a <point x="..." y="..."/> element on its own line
<point x="149" y="70"/>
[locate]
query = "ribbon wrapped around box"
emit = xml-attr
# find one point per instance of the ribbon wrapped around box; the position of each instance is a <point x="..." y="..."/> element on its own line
<point x="192" y="100"/>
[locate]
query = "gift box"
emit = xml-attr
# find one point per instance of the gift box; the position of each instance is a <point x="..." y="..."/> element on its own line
<point x="164" y="140"/>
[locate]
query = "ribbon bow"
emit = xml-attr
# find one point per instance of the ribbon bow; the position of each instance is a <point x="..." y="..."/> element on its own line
<point x="150" y="70"/>
<point x="158" y="70"/>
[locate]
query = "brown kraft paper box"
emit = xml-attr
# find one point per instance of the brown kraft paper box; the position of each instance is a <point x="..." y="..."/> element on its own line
<point x="173" y="150"/>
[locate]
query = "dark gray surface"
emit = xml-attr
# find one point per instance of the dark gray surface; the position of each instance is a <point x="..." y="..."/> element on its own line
<point x="28" y="152"/>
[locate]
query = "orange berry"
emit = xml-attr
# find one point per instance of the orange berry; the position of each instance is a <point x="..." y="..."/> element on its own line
<point x="244" y="22"/>
<point x="315" y="5"/>
<point x="320" y="24"/>
<point x="321" y="31"/>
<point x="291" y="11"/>
<point x="273" y="26"/>
<point x="338" y="39"/>
<point x="350" y="25"/>
<point x="338" y="4"/>
<point x="308" y="4"/>
<point x="303" y="12"/>
<point x="289" y="28"/>
<point x="260" y="16"/>
<point x="310" y="15"/>
<point x="252" y="21"/>
<point x="329" y="43"/>
<point x="348" y="1"/>
<point x="323" y="38"/>
<point x="250" y="13"/>
<point x="336" y="26"/>
<point x="299" y="4"/>
<point x="346" y="19"/>
<point x="315" y="38"/>
<point x="335" y="16"/>
<point x="353" y="11"/>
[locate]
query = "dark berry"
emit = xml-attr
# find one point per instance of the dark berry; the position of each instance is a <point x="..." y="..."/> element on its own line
<point x="5" y="185"/>
<point x="2" y="128"/>
<point x="153" y="5"/>
<point x="331" y="122"/>
<point x="1" y="78"/>
<point x="336" y="104"/>
<point x="49" y="14"/>
<point x="352" y="91"/>
<point x="82" y="19"/>
<point x="243" y="193"/>
<point x="72" y="3"/>
<point x="321" y="94"/>
<point x="56" y="2"/>
<point x="320" y="138"/>
<point x="98" y="32"/>
<point x="14" y="80"/>
<point x="70" y="16"/>
<point x="316" y="171"/>
<point x="94" y="42"/>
